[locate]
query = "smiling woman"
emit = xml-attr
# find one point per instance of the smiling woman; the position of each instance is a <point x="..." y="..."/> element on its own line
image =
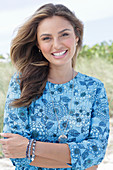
<point x="54" y="116"/>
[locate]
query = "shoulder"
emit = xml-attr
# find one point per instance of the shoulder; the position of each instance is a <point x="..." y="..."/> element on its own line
<point x="14" y="85"/>
<point x="89" y="80"/>
<point x="94" y="87"/>
<point x="15" y="77"/>
<point x="15" y="81"/>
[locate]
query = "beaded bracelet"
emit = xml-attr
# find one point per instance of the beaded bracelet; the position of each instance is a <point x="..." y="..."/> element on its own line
<point x="33" y="150"/>
<point x="29" y="153"/>
<point x="27" y="149"/>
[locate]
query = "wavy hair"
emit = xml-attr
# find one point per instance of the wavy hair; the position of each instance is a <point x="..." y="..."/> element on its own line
<point x="32" y="66"/>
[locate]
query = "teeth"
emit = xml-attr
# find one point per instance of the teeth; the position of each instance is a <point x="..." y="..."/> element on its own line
<point x="59" y="54"/>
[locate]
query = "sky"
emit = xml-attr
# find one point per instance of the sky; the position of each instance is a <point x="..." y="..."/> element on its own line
<point x="97" y="16"/>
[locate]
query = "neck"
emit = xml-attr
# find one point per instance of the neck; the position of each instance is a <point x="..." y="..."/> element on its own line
<point x="60" y="75"/>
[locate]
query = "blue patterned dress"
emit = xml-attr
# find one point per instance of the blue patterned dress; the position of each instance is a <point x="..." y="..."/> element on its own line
<point x="88" y="120"/>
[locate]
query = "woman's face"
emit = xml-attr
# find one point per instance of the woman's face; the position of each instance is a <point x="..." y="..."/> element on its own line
<point x="57" y="40"/>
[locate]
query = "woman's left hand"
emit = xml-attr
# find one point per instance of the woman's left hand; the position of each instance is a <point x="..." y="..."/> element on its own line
<point x="14" y="146"/>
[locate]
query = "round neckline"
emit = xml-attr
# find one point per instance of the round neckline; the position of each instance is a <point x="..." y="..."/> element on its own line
<point x="66" y="82"/>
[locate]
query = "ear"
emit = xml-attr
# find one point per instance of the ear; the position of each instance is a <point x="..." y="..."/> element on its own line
<point x="77" y="39"/>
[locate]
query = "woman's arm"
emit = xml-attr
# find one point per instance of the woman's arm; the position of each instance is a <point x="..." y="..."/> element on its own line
<point x="48" y="163"/>
<point x="20" y="144"/>
<point x="16" y="120"/>
<point x="61" y="154"/>
<point x="14" y="146"/>
<point x="55" y="151"/>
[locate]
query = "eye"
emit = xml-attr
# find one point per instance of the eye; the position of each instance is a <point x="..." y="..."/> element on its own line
<point x="46" y="38"/>
<point x="65" y="34"/>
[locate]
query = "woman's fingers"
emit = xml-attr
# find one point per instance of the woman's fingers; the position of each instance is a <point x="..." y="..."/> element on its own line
<point x="14" y="145"/>
<point x="3" y="141"/>
<point x="7" y="135"/>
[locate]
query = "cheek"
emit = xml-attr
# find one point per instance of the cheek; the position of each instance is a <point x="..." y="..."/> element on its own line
<point x="70" y="43"/>
<point x="45" y="48"/>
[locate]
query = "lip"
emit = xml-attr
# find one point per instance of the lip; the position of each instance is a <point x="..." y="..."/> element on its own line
<point x="60" y="56"/>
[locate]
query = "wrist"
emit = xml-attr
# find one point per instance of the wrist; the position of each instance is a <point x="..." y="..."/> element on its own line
<point x="25" y="144"/>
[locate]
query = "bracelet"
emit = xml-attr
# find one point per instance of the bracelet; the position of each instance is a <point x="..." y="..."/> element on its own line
<point x="33" y="150"/>
<point x="30" y="144"/>
<point x="27" y="149"/>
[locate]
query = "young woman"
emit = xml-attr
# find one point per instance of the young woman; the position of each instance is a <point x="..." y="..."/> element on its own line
<point x="55" y="117"/>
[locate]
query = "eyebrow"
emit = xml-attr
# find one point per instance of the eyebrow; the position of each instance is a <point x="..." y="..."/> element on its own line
<point x="64" y="30"/>
<point x="58" y="32"/>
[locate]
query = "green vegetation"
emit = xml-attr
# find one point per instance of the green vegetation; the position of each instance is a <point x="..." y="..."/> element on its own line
<point x="96" y="61"/>
<point x="103" y="50"/>
<point x="1" y="56"/>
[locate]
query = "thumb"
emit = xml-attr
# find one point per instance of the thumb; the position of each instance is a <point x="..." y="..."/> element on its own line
<point x="7" y="135"/>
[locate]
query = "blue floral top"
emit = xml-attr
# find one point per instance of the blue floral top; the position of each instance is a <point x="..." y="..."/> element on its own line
<point x="88" y="120"/>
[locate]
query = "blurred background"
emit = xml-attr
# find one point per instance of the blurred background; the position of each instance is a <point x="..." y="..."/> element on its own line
<point x="95" y="58"/>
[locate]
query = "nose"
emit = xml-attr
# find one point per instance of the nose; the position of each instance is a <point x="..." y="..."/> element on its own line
<point x="56" y="43"/>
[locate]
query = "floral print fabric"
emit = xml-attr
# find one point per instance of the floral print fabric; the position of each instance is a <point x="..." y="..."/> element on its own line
<point x="87" y="113"/>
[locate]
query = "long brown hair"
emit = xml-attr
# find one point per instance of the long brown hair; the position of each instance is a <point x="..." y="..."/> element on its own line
<point x="30" y="63"/>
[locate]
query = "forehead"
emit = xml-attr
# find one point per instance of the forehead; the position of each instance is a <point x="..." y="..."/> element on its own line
<point x="55" y="23"/>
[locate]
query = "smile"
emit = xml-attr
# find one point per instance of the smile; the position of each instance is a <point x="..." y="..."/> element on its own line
<point x="59" y="54"/>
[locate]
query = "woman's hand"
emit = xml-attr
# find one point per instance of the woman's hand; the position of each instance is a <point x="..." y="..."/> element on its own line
<point x="14" y="146"/>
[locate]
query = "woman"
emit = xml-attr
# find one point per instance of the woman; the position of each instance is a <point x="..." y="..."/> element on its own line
<point x="54" y="116"/>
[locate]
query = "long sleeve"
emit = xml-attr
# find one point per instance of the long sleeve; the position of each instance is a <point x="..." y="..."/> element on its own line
<point x="16" y="119"/>
<point x="91" y="151"/>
